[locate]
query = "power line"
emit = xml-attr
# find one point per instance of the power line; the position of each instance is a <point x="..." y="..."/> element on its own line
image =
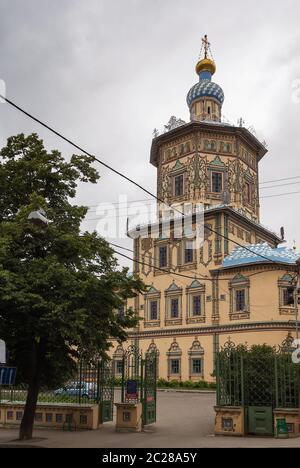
<point x="280" y="194"/>
<point x="280" y="185"/>
<point x="107" y="166"/>
<point x="120" y="203"/>
<point x="153" y="266"/>
<point x="202" y="277"/>
<point x="279" y="180"/>
<point x="149" y="200"/>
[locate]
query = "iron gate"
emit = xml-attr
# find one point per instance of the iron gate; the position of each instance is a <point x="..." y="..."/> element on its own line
<point x="132" y="375"/>
<point x="106" y="390"/>
<point x="259" y="393"/>
<point x="139" y="381"/>
<point x="149" y="388"/>
<point x="259" y="379"/>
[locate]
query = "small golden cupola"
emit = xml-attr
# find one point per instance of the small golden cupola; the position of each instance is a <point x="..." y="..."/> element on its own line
<point x="205" y="98"/>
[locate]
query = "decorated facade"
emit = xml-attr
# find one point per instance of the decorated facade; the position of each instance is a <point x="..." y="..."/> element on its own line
<point x="240" y="281"/>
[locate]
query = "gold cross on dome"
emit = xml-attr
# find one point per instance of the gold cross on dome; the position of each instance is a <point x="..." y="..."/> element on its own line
<point x="206" y="45"/>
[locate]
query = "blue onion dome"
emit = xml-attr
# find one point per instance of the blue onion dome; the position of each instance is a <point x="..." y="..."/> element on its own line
<point x="205" y="68"/>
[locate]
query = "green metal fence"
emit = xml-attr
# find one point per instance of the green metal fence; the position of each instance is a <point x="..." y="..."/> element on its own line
<point x="259" y="376"/>
<point x="82" y="388"/>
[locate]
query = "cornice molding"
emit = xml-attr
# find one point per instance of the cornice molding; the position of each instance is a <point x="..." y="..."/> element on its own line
<point x="216" y="329"/>
<point x="193" y="126"/>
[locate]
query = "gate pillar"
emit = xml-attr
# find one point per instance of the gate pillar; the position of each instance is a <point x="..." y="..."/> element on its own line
<point x="129" y="417"/>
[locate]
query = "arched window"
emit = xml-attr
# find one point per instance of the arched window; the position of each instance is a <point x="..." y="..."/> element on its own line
<point x="195" y="302"/>
<point x="118" y="360"/>
<point x="239" y="288"/>
<point x="174" y="361"/>
<point x="152" y="308"/>
<point x="173" y="304"/>
<point x="287" y="295"/>
<point x="196" y="360"/>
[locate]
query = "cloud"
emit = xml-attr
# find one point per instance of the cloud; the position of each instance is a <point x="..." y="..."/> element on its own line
<point x="107" y="73"/>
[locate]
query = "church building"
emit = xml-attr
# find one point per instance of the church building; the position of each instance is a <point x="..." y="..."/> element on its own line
<point x="240" y="281"/>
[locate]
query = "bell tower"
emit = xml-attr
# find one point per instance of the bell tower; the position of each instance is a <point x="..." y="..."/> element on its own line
<point x="207" y="161"/>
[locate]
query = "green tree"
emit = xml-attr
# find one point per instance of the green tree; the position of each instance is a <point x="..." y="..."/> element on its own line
<point x="59" y="288"/>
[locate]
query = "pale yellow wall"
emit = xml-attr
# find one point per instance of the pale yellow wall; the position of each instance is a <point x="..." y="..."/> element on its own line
<point x="269" y="337"/>
<point x="264" y="296"/>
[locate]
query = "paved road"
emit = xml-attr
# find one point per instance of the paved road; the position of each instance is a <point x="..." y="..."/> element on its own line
<point x="184" y="420"/>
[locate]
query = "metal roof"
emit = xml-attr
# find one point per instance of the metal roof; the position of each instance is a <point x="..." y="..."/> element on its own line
<point x="241" y="256"/>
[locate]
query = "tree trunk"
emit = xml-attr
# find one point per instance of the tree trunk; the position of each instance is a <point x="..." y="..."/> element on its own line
<point x="37" y="360"/>
<point x="26" y="427"/>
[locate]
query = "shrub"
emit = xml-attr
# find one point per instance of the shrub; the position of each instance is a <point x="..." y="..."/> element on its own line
<point x="162" y="383"/>
<point x="188" y="384"/>
<point x="174" y="384"/>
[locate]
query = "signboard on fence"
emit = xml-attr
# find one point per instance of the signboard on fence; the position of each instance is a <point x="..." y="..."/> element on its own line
<point x="8" y="375"/>
<point x="131" y="390"/>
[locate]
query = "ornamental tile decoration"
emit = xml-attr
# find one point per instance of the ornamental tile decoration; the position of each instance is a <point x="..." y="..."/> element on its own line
<point x="217" y="162"/>
<point x="205" y="88"/>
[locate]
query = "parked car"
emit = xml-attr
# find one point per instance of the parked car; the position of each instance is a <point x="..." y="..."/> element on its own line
<point x="85" y="389"/>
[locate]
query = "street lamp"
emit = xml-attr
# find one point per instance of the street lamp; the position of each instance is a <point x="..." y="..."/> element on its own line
<point x="38" y="218"/>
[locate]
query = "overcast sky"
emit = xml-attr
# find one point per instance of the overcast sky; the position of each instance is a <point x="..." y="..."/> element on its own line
<point x="107" y="72"/>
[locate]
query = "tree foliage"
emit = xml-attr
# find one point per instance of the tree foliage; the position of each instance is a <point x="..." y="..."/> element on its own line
<point x="59" y="288"/>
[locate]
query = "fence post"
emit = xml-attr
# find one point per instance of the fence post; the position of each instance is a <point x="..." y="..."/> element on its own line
<point x="123" y="379"/>
<point x="218" y="378"/>
<point x="98" y="380"/>
<point x="80" y="379"/>
<point x="242" y="382"/>
<point x="142" y="379"/>
<point x="276" y="382"/>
